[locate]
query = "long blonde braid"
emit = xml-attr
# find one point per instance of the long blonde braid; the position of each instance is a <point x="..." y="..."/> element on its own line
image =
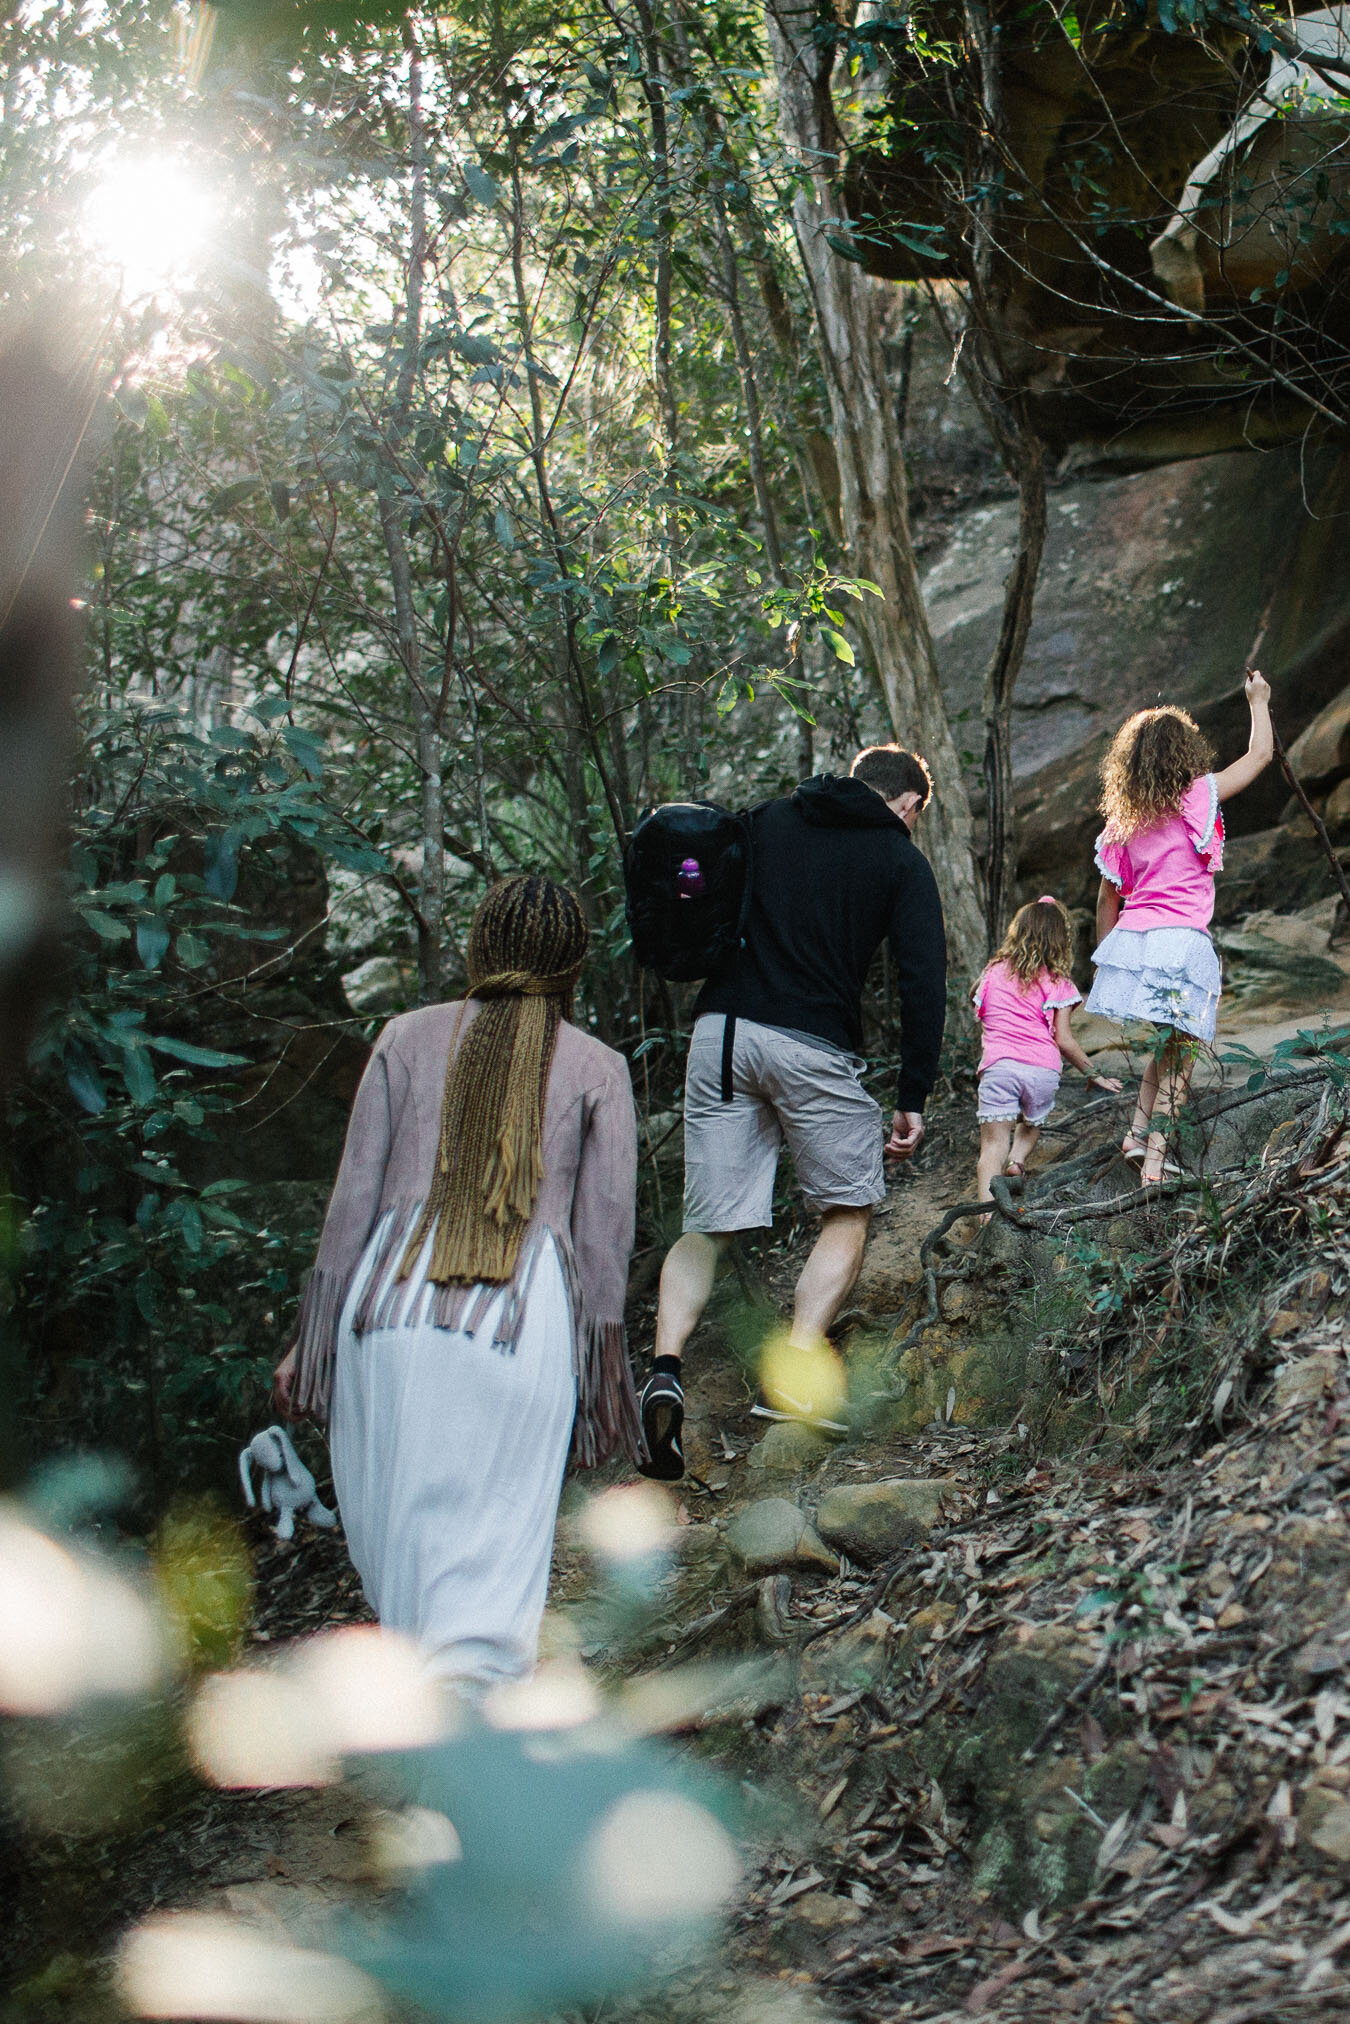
<point x="525" y="950"/>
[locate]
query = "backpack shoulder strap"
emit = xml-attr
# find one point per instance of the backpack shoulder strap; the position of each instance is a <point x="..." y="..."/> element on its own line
<point x="728" y="1054"/>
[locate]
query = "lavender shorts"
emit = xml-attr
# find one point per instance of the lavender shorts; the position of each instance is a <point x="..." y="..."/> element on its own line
<point x="1013" y="1089"/>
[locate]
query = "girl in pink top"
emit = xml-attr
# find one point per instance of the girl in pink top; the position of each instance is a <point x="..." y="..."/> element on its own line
<point x="1159" y="851"/>
<point x="1023" y="1002"/>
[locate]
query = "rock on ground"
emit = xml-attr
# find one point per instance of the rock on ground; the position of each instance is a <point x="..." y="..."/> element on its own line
<point x="772" y="1533"/>
<point x="872" y="1521"/>
<point x="787" y="1449"/>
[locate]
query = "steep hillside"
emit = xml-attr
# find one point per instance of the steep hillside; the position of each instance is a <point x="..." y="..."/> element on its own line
<point x="1065" y="1732"/>
<point x="1033" y="1685"/>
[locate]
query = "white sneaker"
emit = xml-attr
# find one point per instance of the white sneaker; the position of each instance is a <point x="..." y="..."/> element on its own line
<point x="788" y="1408"/>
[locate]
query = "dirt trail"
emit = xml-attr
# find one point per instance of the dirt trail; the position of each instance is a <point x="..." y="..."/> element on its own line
<point x="1185" y="1794"/>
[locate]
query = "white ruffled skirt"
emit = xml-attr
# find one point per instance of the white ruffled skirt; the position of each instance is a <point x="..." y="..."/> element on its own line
<point x="1166" y="976"/>
<point x="448" y="1458"/>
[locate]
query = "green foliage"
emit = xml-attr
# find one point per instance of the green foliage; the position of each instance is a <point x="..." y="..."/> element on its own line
<point x="125" y="1261"/>
<point x="402" y="554"/>
<point x="1326" y="1046"/>
<point x="204" y="1581"/>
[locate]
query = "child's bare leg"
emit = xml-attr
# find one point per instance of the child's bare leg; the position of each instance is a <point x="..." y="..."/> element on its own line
<point x="995" y="1139"/>
<point x="1024" y="1143"/>
<point x="1144" y="1102"/>
<point x="1174" y="1069"/>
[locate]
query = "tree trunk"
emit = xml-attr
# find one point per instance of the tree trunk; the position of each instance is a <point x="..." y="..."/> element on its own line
<point x="874" y="503"/>
<point x="1000" y="863"/>
<point x="754" y="423"/>
<point x="1002" y="403"/>
<point x="425" y="713"/>
<point x="654" y="91"/>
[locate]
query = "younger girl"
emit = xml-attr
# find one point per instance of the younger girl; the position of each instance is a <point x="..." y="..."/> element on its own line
<point x="1023" y="1001"/>
<point x="1159" y="851"/>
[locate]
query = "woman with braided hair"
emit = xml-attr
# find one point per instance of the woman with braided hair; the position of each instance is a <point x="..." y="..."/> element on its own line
<point x="463" y="1325"/>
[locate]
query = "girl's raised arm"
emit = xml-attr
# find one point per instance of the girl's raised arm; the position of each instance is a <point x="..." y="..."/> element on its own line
<point x="1260" y="747"/>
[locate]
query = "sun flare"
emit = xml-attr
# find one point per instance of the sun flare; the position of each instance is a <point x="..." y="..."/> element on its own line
<point x="151" y="220"/>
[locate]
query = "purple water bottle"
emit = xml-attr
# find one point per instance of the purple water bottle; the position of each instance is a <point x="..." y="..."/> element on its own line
<point x="689" y="879"/>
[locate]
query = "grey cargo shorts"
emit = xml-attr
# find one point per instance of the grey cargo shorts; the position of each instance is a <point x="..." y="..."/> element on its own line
<point x="782" y="1088"/>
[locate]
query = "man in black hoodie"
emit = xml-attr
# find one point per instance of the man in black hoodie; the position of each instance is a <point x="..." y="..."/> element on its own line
<point x="774" y="1056"/>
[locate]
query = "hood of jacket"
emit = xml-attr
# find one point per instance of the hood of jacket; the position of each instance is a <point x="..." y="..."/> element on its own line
<point x="834" y="801"/>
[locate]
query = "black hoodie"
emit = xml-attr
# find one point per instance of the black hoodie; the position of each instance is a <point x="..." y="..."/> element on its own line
<point x="835" y="875"/>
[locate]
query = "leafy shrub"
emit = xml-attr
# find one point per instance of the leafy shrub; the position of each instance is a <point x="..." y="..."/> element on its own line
<point x="130" y="1273"/>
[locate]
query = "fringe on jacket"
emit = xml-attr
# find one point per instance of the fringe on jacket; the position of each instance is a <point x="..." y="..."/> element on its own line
<point x="607" y="1421"/>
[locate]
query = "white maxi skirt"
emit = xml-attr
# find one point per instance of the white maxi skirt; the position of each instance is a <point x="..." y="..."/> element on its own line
<point x="448" y="1459"/>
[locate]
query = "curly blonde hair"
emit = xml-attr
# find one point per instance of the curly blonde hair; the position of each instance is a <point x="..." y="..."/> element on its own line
<point x="1152" y="760"/>
<point x="1039" y="937"/>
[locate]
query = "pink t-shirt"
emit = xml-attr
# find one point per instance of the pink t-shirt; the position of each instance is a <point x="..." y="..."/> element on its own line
<point x="1165" y="875"/>
<point x="1019" y="1019"/>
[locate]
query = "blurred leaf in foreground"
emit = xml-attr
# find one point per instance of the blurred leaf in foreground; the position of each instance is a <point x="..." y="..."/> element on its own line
<point x="584" y="1864"/>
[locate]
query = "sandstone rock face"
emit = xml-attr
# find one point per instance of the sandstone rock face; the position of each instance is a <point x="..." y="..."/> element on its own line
<point x="380" y="986"/>
<point x="929" y="1373"/>
<point x="1032" y="1841"/>
<point x="773" y="1533"/>
<point x="1099" y="366"/>
<point x="1303" y="934"/>
<point x="853" y="1658"/>
<point x="871" y="1521"/>
<point x="1281" y="868"/>
<point x="1322" y="752"/>
<point x="1153" y="589"/>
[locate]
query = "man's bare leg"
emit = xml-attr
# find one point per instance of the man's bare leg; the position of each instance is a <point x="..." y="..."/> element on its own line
<point x="686" y="1288"/>
<point x="686" y="1285"/>
<point x="829" y="1275"/>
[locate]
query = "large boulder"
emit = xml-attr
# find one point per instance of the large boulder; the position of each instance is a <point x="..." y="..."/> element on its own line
<point x="1101" y="134"/>
<point x="1282" y="867"/>
<point x="872" y="1521"/>
<point x="1321" y="753"/>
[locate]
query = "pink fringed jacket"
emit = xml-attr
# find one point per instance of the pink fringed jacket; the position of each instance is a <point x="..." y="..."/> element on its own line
<point x="586" y="1203"/>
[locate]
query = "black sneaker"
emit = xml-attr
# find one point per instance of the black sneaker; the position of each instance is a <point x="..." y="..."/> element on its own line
<point x="662" y="1408"/>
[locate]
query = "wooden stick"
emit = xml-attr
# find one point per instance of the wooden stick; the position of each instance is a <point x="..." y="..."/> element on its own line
<point x="1328" y="848"/>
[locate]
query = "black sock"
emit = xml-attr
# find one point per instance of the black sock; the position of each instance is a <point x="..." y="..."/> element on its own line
<point x="665" y="1366"/>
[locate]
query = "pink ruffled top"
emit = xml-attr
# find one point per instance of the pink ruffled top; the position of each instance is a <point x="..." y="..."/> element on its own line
<point x="1165" y="875"/>
<point x="1019" y="1019"/>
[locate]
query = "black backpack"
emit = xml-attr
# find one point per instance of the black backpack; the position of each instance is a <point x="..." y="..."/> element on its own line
<point x="687" y="880"/>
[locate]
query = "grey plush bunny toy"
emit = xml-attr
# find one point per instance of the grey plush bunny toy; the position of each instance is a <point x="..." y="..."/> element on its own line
<point x="287" y="1485"/>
